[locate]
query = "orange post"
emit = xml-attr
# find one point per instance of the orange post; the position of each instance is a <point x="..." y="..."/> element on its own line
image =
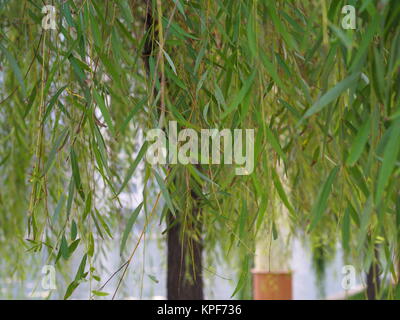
<point x="272" y="285"/>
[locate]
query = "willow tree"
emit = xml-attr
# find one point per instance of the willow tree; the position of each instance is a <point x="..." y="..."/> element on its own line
<point x="75" y="101"/>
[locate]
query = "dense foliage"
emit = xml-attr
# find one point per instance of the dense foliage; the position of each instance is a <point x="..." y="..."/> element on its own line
<point x="77" y="101"/>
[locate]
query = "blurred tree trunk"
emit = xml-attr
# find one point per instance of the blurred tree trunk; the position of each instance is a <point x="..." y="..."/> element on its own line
<point x="184" y="278"/>
<point x="184" y="262"/>
<point x="373" y="281"/>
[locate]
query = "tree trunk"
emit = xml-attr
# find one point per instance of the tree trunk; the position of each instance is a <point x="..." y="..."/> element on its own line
<point x="373" y="281"/>
<point x="184" y="265"/>
<point x="184" y="278"/>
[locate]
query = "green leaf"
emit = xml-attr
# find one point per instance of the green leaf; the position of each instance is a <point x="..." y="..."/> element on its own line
<point x="320" y="205"/>
<point x="72" y="247"/>
<point x="52" y="102"/>
<point x="59" y="206"/>
<point x="367" y="40"/>
<point x="66" y="13"/>
<point x="359" y="143"/>
<point x="274" y="231"/>
<point x="240" y="95"/>
<point x="251" y="35"/>
<point x="164" y="192"/>
<point x="364" y="223"/>
<point x="272" y="71"/>
<point x="280" y="27"/>
<point x="103" y="223"/>
<point x="91" y="245"/>
<point x="14" y="67"/>
<point x="75" y="173"/>
<point x="132" y="113"/>
<point x="100" y="293"/>
<point x="281" y="192"/>
<point x="332" y="95"/>
<point x="104" y="110"/>
<point x="398" y="211"/>
<point x="81" y="270"/>
<point x="242" y="219"/>
<point x="129" y="226"/>
<point x="96" y="224"/>
<point x="79" y="275"/>
<point x="243" y="275"/>
<point x="181" y="120"/>
<point x="71" y="193"/>
<point x="180" y="7"/>
<point x="171" y="63"/>
<point x="55" y="148"/>
<point x="88" y="205"/>
<point x="346" y="230"/>
<point x="64" y="249"/>
<point x="77" y="68"/>
<point x="134" y="165"/>
<point x="219" y="96"/>
<point x="71" y="288"/>
<point x="74" y="230"/>
<point x="274" y="143"/>
<point x="153" y="278"/>
<point x="95" y="29"/>
<point x="390" y="155"/>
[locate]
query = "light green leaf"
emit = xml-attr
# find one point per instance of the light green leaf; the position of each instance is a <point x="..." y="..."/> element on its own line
<point x="129" y="226"/>
<point x="61" y="138"/>
<point x="100" y="293"/>
<point x="332" y="95"/>
<point x="240" y="95"/>
<point x="359" y="143"/>
<point x="104" y="110"/>
<point x="281" y="192"/>
<point x="14" y="67"/>
<point x="390" y="155"/>
<point x="164" y="192"/>
<point x="91" y="245"/>
<point x="134" y="165"/>
<point x="52" y="102"/>
<point x="320" y="205"/>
